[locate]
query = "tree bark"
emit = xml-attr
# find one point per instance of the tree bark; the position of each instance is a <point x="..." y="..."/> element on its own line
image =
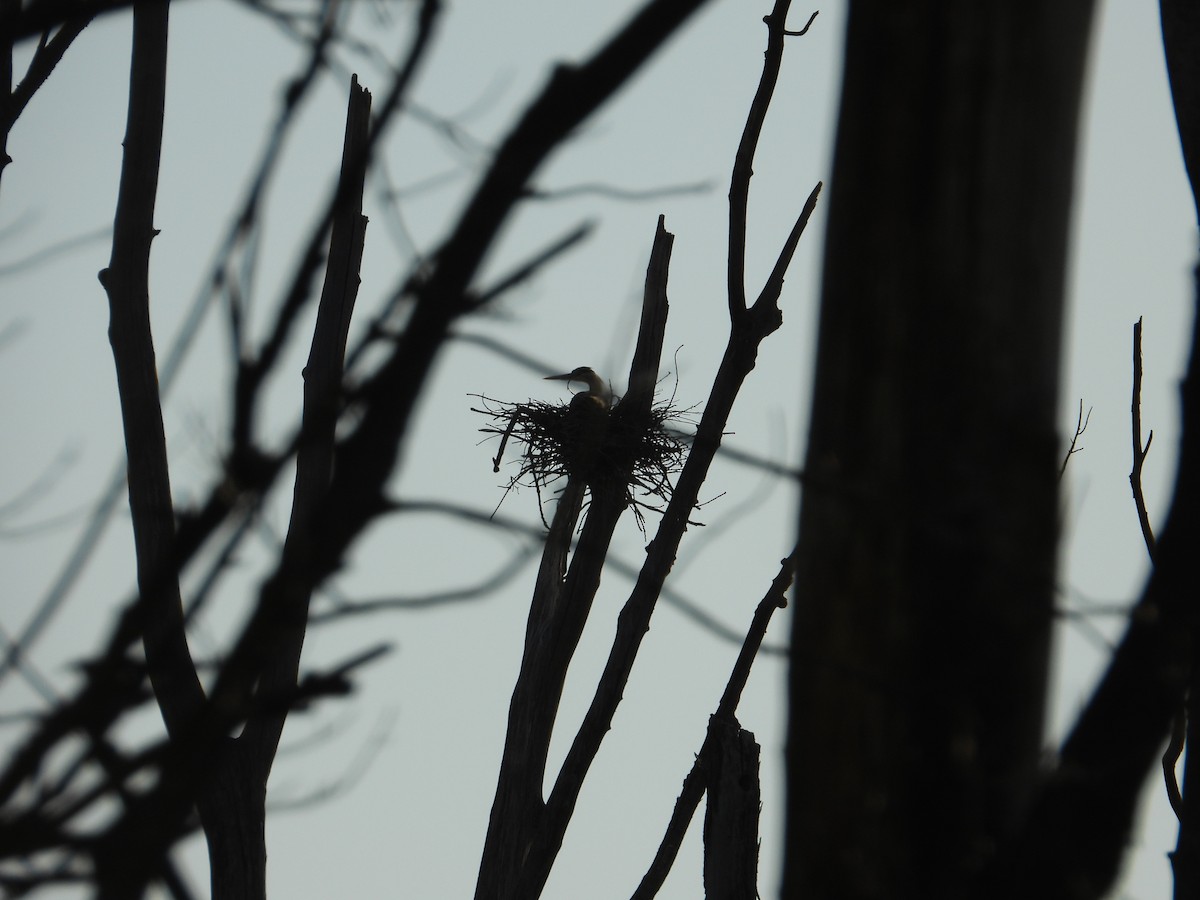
<point x="731" y="814"/>
<point x="928" y="526"/>
<point x="1181" y="42"/>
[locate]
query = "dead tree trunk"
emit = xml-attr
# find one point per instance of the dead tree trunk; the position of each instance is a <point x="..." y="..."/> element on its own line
<point x="929" y="519"/>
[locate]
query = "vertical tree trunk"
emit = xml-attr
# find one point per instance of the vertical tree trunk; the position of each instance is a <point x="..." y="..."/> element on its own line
<point x="233" y="812"/>
<point x="1181" y="41"/>
<point x="928" y="528"/>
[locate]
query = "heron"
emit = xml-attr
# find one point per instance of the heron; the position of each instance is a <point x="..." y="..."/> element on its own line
<point x="586" y="422"/>
<point x="598" y="392"/>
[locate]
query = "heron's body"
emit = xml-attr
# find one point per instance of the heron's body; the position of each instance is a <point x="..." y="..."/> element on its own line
<point x="587" y="421"/>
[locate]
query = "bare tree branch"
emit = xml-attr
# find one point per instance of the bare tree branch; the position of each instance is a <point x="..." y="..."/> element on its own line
<point x="58" y="249"/>
<point x="127" y="282"/>
<point x="611" y="192"/>
<point x="292" y="588"/>
<point x="534" y="264"/>
<point x="369" y="454"/>
<point x="1140" y="450"/>
<point x="743" y="165"/>
<point x="671" y="596"/>
<point x="695" y="782"/>
<point x="748" y="328"/>
<point x="562" y="600"/>
<point x="1077" y="828"/>
<point x="731" y="813"/>
<point x="485" y="588"/>
<point x="254" y="370"/>
<point x="1081" y="424"/>
<point x="47" y="55"/>
<point x="250" y="472"/>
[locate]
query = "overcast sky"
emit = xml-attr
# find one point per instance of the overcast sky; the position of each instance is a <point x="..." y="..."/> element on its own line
<point x="413" y="757"/>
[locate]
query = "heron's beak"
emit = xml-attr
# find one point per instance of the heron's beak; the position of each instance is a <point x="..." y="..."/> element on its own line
<point x="566" y="376"/>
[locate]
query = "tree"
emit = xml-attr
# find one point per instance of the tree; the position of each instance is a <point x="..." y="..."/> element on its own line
<point x="224" y="714"/>
<point x="222" y="735"/>
<point x="926" y="576"/>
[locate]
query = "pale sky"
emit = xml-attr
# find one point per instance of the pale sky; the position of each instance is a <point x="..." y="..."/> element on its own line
<point x="419" y="745"/>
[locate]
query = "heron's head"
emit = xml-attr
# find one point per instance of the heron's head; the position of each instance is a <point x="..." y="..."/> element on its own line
<point x="597" y="386"/>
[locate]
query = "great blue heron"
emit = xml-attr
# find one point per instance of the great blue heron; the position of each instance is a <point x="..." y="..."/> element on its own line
<point x="586" y="424"/>
<point x="598" y="392"/>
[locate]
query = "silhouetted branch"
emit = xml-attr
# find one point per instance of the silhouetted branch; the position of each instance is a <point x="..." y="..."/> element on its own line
<point x="1140" y="451"/>
<point x="253" y="370"/>
<point x="670" y="595"/>
<point x="250" y="472"/>
<point x="562" y="600"/>
<point x="611" y="192"/>
<point x="42" y="16"/>
<point x="484" y="588"/>
<point x="743" y="164"/>
<point x="70" y="571"/>
<point x="352" y="774"/>
<point x="1081" y="424"/>
<point x="442" y="291"/>
<point x="732" y="812"/>
<point x="34" y="678"/>
<point x="534" y="264"/>
<point x="197" y="749"/>
<point x="334" y="682"/>
<point x="369" y="453"/>
<point x="695" y="783"/>
<point x="54" y="250"/>
<point x="126" y="280"/>
<point x="45" y="58"/>
<point x="1078" y="826"/>
<point x="36" y="488"/>
<point x="290" y="593"/>
<point x="748" y="328"/>
<point x="807" y="25"/>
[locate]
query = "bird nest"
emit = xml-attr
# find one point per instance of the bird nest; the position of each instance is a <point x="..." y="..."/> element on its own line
<point x="604" y="447"/>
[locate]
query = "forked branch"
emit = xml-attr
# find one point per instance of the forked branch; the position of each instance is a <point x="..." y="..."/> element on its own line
<point x="1140" y="450"/>
<point x="695" y="783"/>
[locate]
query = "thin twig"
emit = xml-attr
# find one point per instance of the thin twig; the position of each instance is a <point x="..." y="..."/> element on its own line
<point x="1081" y="424"/>
<point x="1140" y="451"/>
<point x="803" y="31"/>
<point x="534" y="264"/>
<point x="611" y="192"/>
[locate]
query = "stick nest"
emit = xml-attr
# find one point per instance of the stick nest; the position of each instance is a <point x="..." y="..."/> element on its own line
<point x="638" y="449"/>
